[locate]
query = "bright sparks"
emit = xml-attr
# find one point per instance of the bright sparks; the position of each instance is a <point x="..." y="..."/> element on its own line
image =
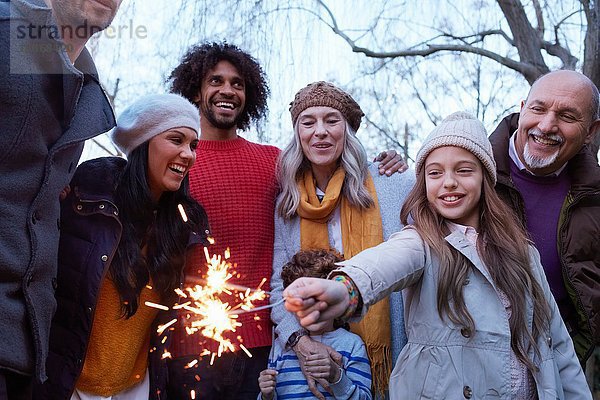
<point x="209" y="315"/>
<point x="162" y="328"/>
<point x="154" y="305"/>
<point x="182" y="212"/>
<point x="246" y="350"/>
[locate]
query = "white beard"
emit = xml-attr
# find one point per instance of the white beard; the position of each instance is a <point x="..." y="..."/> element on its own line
<point x="535" y="162"/>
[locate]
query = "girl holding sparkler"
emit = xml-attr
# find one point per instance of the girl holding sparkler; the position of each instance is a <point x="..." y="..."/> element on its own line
<point x="480" y="318"/>
<point x="122" y="247"/>
<point x="331" y="198"/>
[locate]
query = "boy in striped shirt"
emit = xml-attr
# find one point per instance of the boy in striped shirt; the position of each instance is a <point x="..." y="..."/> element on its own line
<point x="346" y="371"/>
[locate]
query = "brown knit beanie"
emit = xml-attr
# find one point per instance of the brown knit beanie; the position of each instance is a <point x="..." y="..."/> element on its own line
<point x="325" y="94"/>
<point x="460" y="129"/>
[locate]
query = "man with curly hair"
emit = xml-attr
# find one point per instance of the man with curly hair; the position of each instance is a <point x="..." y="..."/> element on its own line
<point x="234" y="180"/>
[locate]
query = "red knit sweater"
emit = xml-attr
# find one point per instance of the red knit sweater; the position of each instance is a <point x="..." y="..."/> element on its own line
<point x="235" y="182"/>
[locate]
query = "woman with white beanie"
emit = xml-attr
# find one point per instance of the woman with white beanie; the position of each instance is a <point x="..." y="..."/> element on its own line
<point x="123" y="243"/>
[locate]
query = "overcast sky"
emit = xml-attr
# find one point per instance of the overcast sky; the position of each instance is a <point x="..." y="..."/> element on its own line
<point x="148" y="38"/>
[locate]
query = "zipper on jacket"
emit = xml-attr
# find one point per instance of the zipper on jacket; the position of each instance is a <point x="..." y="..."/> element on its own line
<point x="565" y="216"/>
<point x="104" y="273"/>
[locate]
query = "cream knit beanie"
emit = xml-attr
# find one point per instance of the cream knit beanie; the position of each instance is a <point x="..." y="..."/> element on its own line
<point x="460" y="129"/>
<point x="152" y="115"/>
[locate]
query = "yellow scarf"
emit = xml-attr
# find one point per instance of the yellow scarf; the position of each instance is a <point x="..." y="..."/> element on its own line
<point x="361" y="229"/>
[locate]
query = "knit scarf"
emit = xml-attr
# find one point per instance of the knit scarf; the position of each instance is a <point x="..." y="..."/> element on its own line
<point x="361" y="229"/>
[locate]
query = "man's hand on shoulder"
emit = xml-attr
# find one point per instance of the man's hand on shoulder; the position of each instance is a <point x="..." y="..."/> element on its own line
<point x="390" y="162"/>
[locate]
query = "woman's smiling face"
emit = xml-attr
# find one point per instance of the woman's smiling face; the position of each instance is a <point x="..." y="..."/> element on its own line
<point x="322" y="132"/>
<point x="171" y="154"/>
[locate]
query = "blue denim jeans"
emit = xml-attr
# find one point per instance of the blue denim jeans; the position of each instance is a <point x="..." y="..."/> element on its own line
<point x="232" y="376"/>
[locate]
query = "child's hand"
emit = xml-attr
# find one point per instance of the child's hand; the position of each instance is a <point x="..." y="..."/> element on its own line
<point x="325" y="367"/>
<point x="316" y="301"/>
<point x="266" y="382"/>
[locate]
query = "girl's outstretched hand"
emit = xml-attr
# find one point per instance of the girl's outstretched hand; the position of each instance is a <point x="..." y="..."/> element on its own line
<point x="316" y="301"/>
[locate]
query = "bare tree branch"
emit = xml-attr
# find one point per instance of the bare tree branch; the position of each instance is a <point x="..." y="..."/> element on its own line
<point x="562" y="21"/>
<point x="112" y="152"/>
<point x="555" y="49"/>
<point x="432" y="117"/>
<point x="527" y="69"/>
<point x="481" y="35"/>
<point x="527" y="40"/>
<point x="386" y="134"/>
<point x="539" y="16"/>
<point x="113" y="95"/>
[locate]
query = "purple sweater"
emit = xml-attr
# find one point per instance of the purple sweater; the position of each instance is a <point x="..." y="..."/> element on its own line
<point x="543" y="197"/>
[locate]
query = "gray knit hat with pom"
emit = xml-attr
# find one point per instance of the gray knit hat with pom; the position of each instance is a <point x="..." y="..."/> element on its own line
<point x="460" y="129"/>
<point x="152" y="115"/>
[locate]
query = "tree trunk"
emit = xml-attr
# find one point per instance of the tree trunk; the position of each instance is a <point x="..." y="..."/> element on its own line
<point x="591" y="55"/>
<point x="526" y="38"/>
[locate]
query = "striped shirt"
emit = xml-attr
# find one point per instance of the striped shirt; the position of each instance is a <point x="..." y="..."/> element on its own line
<point x="356" y="377"/>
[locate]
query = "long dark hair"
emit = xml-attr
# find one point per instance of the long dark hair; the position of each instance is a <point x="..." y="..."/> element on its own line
<point x="157" y="227"/>
<point x="503" y="245"/>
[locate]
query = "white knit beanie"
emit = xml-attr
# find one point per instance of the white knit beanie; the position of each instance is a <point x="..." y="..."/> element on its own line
<point x="152" y="115"/>
<point x="460" y="129"/>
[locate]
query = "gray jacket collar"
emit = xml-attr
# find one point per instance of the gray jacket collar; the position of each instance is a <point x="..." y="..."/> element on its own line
<point x="34" y="11"/>
<point x="458" y="240"/>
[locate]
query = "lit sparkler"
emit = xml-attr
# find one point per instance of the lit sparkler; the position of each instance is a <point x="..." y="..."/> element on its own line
<point x="208" y="314"/>
<point x="211" y="317"/>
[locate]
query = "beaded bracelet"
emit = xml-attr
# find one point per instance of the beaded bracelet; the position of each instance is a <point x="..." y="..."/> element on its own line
<point x="352" y="293"/>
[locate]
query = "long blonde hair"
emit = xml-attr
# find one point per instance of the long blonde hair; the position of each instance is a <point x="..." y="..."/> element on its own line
<point x="503" y="246"/>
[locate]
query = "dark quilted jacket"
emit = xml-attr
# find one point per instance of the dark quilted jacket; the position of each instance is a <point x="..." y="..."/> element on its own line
<point x="90" y="234"/>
